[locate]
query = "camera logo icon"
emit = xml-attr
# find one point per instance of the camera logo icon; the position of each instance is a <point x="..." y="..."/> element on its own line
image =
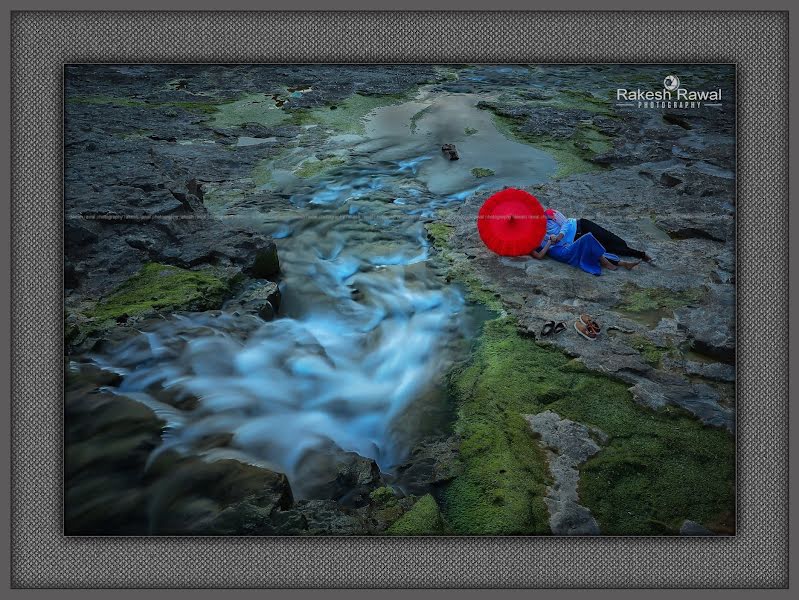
<point x="671" y="82"/>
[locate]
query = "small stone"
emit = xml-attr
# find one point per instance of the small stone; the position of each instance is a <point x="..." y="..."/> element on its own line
<point x="262" y="298"/>
<point x="693" y="528"/>
<point x="267" y="263"/>
<point x="450" y="151"/>
<point x="675" y="120"/>
<point x="669" y="180"/>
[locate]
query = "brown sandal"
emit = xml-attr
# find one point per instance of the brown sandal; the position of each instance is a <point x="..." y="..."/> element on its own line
<point x="590" y="323"/>
<point x="584" y="330"/>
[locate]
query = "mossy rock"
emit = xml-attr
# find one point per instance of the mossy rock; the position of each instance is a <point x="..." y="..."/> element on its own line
<point x="105" y="100"/>
<point x="440" y="233"/>
<point x="313" y="167"/>
<point x="207" y="107"/>
<point x="651" y="352"/>
<point x="641" y="300"/>
<point x="424" y="518"/>
<point x="349" y="115"/>
<point x="480" y="172"/>
<point x="251" y="108"/>
<point x="162" y="287"/>
<point x="414" y="124"/>
<point x="574" y="155"/>
<point x="656" y="469"/>
<point x="383" y="495"/>
<point x="505" y="471"/>
<point x="266" y="263"/>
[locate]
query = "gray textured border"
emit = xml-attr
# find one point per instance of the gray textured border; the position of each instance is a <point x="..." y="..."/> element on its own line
<point x="42" y="42"/>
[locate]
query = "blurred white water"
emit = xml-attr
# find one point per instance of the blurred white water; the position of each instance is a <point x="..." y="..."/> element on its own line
<point x="367" y="328"/>
<point x="337" y="378"/>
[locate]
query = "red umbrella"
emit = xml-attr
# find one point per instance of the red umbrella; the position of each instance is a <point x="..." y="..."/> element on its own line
<point x="512" y="222"/>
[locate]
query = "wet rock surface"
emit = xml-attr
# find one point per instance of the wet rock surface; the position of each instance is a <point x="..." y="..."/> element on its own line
<point x="182" y="182"/>
<point x="431" y="464"/>
<point x="159" y="188"/>
<point x="667" y="186"/>
<point x="117" y="484"/>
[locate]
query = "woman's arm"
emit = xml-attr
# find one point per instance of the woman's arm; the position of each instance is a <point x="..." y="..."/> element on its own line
<point x="539" y="254"/>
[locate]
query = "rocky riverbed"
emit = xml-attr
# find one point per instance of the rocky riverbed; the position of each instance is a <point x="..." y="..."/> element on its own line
<point x="279" y="318"/>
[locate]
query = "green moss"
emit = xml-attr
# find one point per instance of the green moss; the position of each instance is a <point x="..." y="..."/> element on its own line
<point x="642" y="300"/>
<point x="252" y="108"/>
<point x="505" y="473"/>
<point x="440" y="233"/>
<point x="207" y="107"/>
<point x="573" y="154"/>
<point x="424" y="518"/>
<point x="481" y="172"/>
<point x="383" y="495"/>
<point x="566" y="99"/>
<point x="470" y="131"/>
<point x="217" y="199"/>
<point x="581" y="100"/>
<point x="650" y="352"/>
<point x="301" y="117"/>
<point x="656" y="469"/>
<point x="476" y="291"/>
<point x="262" y="173"/>
<point x="313" y="166"/>
<point x="105" y="100"/>
<point x="415" y="118"/>
<point x="349" y="115"/>
<point x="162" y="287"/>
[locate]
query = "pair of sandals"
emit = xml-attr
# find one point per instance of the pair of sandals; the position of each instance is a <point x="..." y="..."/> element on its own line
<point x="552" y="328"/>
<point x="587" y="327"/>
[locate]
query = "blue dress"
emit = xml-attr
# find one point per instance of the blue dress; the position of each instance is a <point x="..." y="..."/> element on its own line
<point x="583" y="253"/>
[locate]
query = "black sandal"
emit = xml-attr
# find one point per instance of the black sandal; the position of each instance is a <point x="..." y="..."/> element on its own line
<point x="549" y="326"/>
<point x="558" y="328"/>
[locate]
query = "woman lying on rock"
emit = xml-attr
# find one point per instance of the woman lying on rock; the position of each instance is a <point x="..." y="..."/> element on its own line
<point x="584" y="244"/>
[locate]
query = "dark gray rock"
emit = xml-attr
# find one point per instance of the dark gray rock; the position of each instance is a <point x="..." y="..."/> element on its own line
<point x="709" y="333"/>
<point x="676" y="120"/>
<point x="431" y="463"/>
<point x="78" y="237"/>
<point x="704" y="401"/>
<point x="450" y="151"/>
<point x="266" y="263"/>
<point x="719" y="228"/>
<point x="713" y="371"/>
<point x="670" y="180"/>
<point x="259" y="297"/>
<point x="114" y="488"/>
<point x="327" y="517"/>
<point x="346" y="477"/>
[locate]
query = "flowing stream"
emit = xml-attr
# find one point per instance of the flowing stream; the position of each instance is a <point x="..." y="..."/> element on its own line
<point x="368" y="326"/>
